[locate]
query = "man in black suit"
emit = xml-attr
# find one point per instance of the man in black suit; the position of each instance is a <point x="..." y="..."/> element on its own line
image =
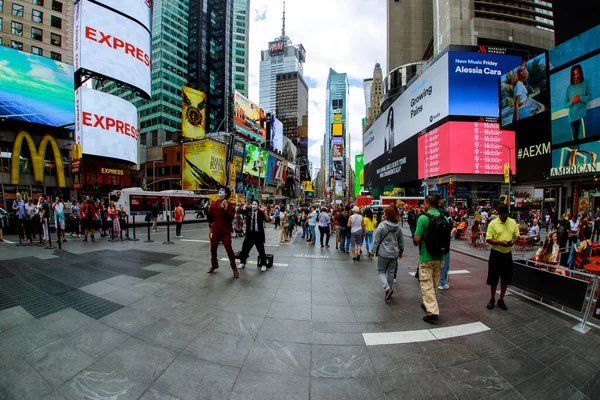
<point x="256" y="216"/>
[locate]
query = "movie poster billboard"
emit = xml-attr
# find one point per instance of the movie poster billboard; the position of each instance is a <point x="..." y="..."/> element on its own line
<point x="275" y="170"/>
<point x="203" y="165"/>
<point x="338" y="152"/>
<point x="359" y="177"/>
<point x="289" y="150"/>
<point x="193" y="115"/>
<point x="276" y="134"/>
<point x="237" y="163"/>
<point x="249" y="119"/>
<point x="255" y="161"/>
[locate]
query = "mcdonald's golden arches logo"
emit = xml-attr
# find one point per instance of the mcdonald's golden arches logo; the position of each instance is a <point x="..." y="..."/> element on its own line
<point x="76" y="153"/>
<point x="37" y="158"/>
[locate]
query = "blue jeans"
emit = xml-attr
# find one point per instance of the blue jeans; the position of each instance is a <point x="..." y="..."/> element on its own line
<point x="412" y="231"/>
<point x="343" y="245"/>
<point x="445" y="269"/>
<point x="313" y="235"/>
<point x="368" y="240"/>
<point x="304" y="230"/>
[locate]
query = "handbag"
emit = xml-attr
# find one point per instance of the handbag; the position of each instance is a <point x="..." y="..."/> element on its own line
<point x="382" y="239"/>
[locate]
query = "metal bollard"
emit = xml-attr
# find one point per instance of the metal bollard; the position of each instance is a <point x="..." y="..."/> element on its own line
<point x="149" y="240"/>
<point x="168" y="232"/>
<point x="58" y="235"/>
<point x="112" y="233"/>
<point x="134" y="238"/>
<point x="41" y="243"/>
<point x="49" y="247"/>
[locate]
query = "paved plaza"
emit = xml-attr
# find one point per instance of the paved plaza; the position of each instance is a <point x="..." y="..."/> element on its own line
<point x="129" y="320"/>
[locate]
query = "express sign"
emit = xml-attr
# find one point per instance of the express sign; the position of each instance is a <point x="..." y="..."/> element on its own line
<point x="139" y="10"/>
<point x="113" y="45"/>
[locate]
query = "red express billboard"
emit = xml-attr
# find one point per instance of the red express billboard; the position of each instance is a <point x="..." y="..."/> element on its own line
<point x="465" y="148"/>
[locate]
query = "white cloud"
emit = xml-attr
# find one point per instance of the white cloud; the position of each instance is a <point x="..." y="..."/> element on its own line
<point x="348" y="36"/>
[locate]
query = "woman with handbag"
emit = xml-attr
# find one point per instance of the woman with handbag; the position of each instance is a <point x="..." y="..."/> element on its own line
<point x="113" y="218"/>
<point x="388" y="244"/>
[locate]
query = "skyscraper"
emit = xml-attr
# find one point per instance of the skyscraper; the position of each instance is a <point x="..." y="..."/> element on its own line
<point x="367" y="85"/>
<point x="291" y="103"/>
<point x="241" y="33"/>
<point x="409" y="29"/>
<point x="210" y="47"/>
<point x="376" y="88"/>
<point x="336" y="97"/>
<point x="280" y="57"/>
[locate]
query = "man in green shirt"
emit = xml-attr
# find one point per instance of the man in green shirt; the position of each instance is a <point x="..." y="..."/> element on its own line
<point x="501" y="234"/>
<point x="430" y="267"/>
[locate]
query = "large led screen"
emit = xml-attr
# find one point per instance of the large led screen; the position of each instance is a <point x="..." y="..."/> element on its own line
<point x="112" y="45"/>
<point x="474" y="82"/>
<point x="524" y="91"/>
<point x="275" y="169"/>
<point x="255" y="160"/>
<point x="574" y="48"/>
<point x="400" y="165"/>
<point x="139" y="10"/>
<point x="575" y="97"/>
<point x="359" y="175"/>
<point x="193" y="113"/>
<point x="35" y="89"/>
<point x="276" y="134"/>
<point x="422" y="104"/>
<point x="289" y="150"/>
<point x="578" y="159"/>
<point x="465" y="148"/>
<point x="203" y="165"/>
<point x="248" y="118"/>
<point x="106" y="125"/>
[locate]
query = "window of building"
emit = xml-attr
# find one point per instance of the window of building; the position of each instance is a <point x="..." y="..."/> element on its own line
<point x="154" y="138"/>
<point x="57" y="6"/>
<point x="143" y="139"/>
<point x="37" y="51"/>
<point x="1" y="5"/>
<point x="55" y="56"/>
<point x="178" y="156"/>
<point x="38" y="2"/>
<point x="56" y="39"/>
<point x="16" y="45"/>
<point x="37" y="16"/>
<point x="0" y="41"/>
<point x="164" y="158"/>
<point x="17" y="10"/>
<point x="36" y="33"/>
<point x="56" y="22"/>
<point x="16" y="28"/>
<point x="0" y="23"/>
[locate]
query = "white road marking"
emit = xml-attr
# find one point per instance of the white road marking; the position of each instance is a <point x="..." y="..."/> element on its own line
<point x="309" y="256"/>
<point x="451" y="272"/>
<point x="8" y="241"/>
<point x="254" y="262"/>
<point x="194" y="240"/>
<point x="423" y="335"/>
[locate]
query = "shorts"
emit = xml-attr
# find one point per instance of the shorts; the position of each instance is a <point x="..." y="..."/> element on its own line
<point x="356" y="238"/>
<point x="60" y="224"/>
<point x="500" y="267"/>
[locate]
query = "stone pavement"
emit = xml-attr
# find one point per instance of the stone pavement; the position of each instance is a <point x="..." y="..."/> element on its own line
<point x="144" y="320"/>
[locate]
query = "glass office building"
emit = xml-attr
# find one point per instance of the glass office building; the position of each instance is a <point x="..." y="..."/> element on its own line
<point x="240" y="34"/>
<point x="336" y="101"/>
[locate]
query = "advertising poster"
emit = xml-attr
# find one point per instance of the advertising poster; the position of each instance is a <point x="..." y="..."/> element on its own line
<point x="237" y="163"/>
<point x="401" y="165"/>
<point x="575" y="97"/>
<point x="339" y="188"/>
<point x="275" y="170"/>
<point x="35" y="89"/>
<point x="276" y="134"/>
<point x="359" y="177"/>
<point x="473" y="82"/>
<point x="193" y="115"/>
<point x="255" y="161"/>
<point x="249" y="118"/>
<point x="203" y="165"/>
<point x="580" y="159"/>
<point x="442" y="150"/>
<point x="289" y="150"/>
<point x="574" y="48"/>
<point x="534" y="155"/>
<point x="139" y="10"/>
<point x="527" y="87"/>
<point x="424" y="103"/>
<point x="338" y="152"/>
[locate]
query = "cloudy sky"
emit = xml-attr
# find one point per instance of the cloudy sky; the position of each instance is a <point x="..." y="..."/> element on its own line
<point x="346" y="35"/>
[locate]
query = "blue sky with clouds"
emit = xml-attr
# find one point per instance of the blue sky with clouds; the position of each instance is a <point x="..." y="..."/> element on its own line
<point x="348" y="36"/>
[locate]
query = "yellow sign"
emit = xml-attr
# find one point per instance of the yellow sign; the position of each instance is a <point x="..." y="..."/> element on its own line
<point x="193" y="121"/>
<point x="37" y="158"/>
<point x="203" y="165"/>
<point x="337" y="118"/>
<point x="337" y="129"/>
<point x="506" y="173"/>
<point x="111" y="171"/>
<point x="308" y="186"/>
<point x="451" y="181"/>
<point x="439" y="181"/>
<point x="76" y="153"/>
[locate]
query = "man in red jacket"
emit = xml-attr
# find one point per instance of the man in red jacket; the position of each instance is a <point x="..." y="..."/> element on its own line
<point x="221" y="213"/>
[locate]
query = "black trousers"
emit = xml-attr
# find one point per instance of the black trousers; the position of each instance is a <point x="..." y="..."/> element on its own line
<point x="252" y="239"/>
<point x="596" y="232"/>
<point x="324" y="230"/>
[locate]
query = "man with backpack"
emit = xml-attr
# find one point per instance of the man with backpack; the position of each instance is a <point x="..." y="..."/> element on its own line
<point x="433" y="237"/>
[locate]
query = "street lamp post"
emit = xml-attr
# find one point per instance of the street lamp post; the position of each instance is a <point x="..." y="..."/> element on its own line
<point x="509" y="171"/>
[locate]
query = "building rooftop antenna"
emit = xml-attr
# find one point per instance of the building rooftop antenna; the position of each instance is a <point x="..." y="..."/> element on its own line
<point x="283" y="20"/>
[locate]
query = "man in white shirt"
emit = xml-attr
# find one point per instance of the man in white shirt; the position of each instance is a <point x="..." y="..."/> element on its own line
<point x="534" y="232"/>
<point x="484" y="217"/>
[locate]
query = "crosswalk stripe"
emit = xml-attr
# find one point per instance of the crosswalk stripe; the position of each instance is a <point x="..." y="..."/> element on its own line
<point x="254" y="262"/>
<point x="195" y="240"/>
<point x="423" y="335"/>
<point x="451" y="272"/>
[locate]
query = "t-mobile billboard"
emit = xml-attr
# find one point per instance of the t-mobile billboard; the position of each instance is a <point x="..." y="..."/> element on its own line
<point x="105" y="125"/>
<point x="112" y="45"/>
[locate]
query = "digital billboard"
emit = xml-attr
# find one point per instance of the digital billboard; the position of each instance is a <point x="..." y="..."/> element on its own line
<point x="422" y="104"/>
<point x="193" y="114"/>
<point x="106" y="125"/>
<point x="112" y="45"/>
<point x="139" y="10"/>
<point x="575" y="97"/>
<point x="473" y="80"/>
<point x="289" y="150"/>
<point x="444" y="149"/>
<point x="275" y="170"/>
<point x="400" y="165"/>
<point x="338" y="152"/>
<point x="237" y="163"/>
<point x="581" y="159"/>
<point x="203" y="165"/>
<point x="249" y="118"/>
<point x="524" y="91"/>
<point x="255" y="160"/>
<point x="277" y="47"/>
<point x="574" y="48"/>
<point x="359" y="175"/>
<point x="35" y="89"/>
<point x="276" y="134"/>
<point x="534" y="157"/>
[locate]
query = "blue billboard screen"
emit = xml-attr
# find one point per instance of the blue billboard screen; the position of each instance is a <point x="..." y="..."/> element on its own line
<point x="473" y="82"/>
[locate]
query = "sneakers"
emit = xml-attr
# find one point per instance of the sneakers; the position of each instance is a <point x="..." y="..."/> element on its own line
<point x="502" y="305"/>
<point x="395" y="280"/>
<point x="491" y="304"/>
<point x="444" y="287"/>
<point x="388" y="293"/>
<point x="263" y="268"/>
<point x="358" y="258"/>
<point x="431" y="319"/>
<point x="212" y="269"/>
<point x="242" y="266"/>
